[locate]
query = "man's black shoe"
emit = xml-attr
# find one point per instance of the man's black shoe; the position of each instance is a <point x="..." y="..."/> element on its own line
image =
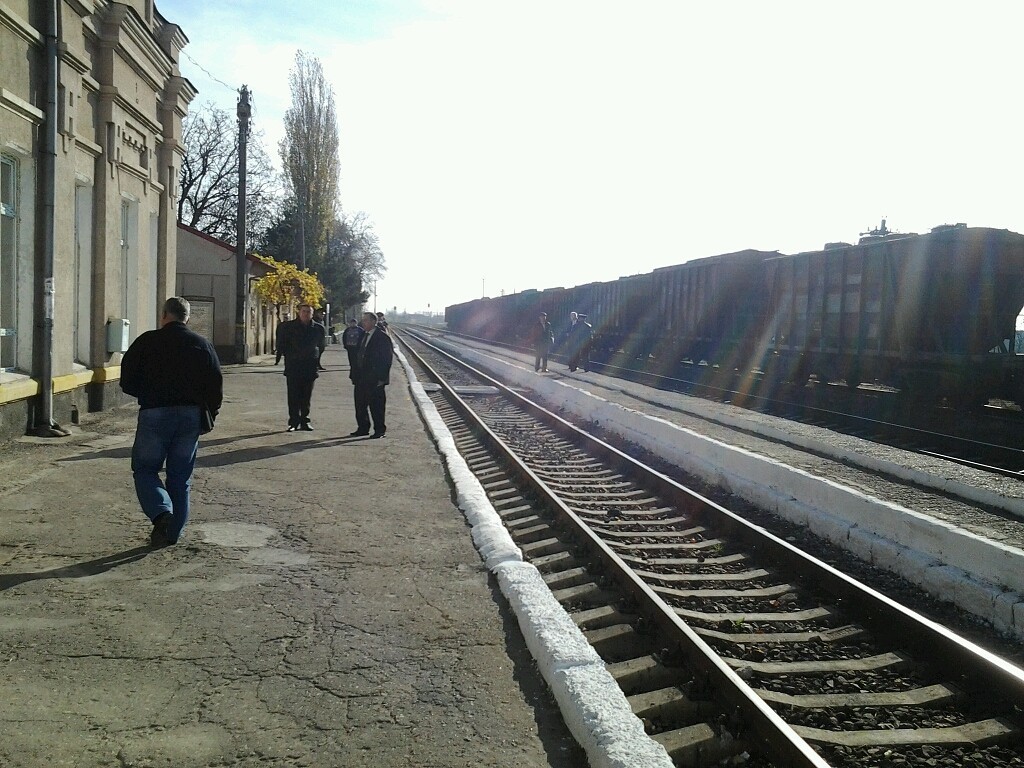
<point x="358" y="433"/>
<point x="305" y="427"/>
<point x="291" y="428"/>
<point x="378" y="435"/>
<point x="159" y="537"/>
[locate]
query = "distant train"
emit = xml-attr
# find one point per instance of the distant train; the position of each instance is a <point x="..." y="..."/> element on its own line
<point x="931" y="315"/>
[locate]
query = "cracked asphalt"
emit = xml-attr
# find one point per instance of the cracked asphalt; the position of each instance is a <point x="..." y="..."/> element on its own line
<point x="325" y="607"/>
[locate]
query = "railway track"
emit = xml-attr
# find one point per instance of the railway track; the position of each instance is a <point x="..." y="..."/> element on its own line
<point x="731" y="644"/>
<point x="984" y="439"/>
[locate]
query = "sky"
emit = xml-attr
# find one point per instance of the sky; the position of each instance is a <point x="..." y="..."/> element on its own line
<point x="498" y="146"/>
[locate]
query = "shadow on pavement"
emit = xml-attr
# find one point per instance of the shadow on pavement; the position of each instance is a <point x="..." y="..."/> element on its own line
<point x="78" y="571"/>
<point x="243" y="455"/>
<point x="125" y="452"/>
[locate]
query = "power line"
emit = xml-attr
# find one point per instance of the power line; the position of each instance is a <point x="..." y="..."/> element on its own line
<point x="210" y="74"/>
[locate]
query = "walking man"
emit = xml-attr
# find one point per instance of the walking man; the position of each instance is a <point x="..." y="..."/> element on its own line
<point x="350" y="339"/>
<point x="175" y="375"/>
<point x="373" y="371"/>
<point x="299" y="342"/>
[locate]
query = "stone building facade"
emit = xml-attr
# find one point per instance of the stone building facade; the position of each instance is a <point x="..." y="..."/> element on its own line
<point x="106" y="211"/>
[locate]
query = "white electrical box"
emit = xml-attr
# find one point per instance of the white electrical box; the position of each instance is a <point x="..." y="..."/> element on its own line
<point x="118" y="334"/>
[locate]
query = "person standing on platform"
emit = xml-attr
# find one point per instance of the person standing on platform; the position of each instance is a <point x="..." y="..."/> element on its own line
<point x="176" y="377"/>
<point x="382" y="323"/>
<point x="586" y="337"/>
<point x="299" y="342"/>
<point x="541" y="337"/>
<point x="350" y="340"/>
<point x="578" y="339"/>
<point x="318" y="318"/>
<point x="373" y="373"/>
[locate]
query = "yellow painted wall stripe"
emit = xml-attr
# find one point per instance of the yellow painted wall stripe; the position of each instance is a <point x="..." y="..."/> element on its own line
<point x="23" y="389"/>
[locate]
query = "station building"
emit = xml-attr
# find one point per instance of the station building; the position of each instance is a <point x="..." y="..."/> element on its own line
<point x="91" y="106"/>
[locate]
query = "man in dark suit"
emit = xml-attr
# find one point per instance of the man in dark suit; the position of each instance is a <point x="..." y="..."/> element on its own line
<point x="541" y="337"/>
<point x="373" y="372"/>
<point x="299" y="342"/>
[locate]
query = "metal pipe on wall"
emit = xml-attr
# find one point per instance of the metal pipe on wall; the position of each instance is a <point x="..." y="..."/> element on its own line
<point x="44" y="423"/>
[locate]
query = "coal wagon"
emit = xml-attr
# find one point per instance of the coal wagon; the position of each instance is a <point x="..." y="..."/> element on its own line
<point x="929" y="314"/>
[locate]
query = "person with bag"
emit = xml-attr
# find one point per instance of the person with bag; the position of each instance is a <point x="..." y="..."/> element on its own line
<point x="176" y="376"/>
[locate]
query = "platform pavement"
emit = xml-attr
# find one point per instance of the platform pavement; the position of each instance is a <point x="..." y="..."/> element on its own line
<point x="326" y="606"/>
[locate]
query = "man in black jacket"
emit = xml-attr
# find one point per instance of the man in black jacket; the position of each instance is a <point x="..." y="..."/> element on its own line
<point x="175" y="375"/>
<point x="373" y="373"/>
<point x="299" y="342"/>
<point x="351" y="338"/>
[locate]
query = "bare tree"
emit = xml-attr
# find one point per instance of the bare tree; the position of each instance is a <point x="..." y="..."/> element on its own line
<point x="309" y="154"/>
<point x="208" y="197"/>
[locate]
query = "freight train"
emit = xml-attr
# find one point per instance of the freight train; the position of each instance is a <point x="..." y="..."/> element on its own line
<point x="930" y="315"/>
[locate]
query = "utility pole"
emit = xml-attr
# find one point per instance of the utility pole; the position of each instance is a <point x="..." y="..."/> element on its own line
<point x="241" y="268"/>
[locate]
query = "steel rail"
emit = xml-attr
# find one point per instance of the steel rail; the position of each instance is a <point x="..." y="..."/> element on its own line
<point x="884" y="615"/>
<point x="772" y="733"/>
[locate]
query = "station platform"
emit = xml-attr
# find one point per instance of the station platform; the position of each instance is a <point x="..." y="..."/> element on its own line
<point x="325" y="607"/>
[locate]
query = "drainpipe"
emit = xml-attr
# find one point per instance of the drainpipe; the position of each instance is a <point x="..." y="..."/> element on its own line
<point x="45" y="425"/>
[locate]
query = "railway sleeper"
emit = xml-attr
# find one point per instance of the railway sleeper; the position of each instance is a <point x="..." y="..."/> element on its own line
<point x="675" y="578"/>
<point x="817" y="667"/>
<point x="602" y="616"/>
<point x="736" y="557"/>
<point x="506" y="503"/>
<point x="618" y="641"/>
<point x="639" y="515"/>
<point x="672" y="545"/>
<point x="929" y="696"/>
<point x="526" y="534"/>
<point x="983" y="733"/>
<point x="670" y="703"/>
<point x="555" y="561"/>
<point x="544" y="547"/>
<point x="763" y="593"/>
<point x="588" y="593"/>
<point x="613" y="524"/>
<point x="811" y="614"/>
<point x="570" y="577"/>
<point x="515" y="513"/>
<point x="646" y="673"/>
<point x="746" y="638"/>
<point x="699" y="745"/>
<point x="687" y="533"/>
<point x="523" y="523"/>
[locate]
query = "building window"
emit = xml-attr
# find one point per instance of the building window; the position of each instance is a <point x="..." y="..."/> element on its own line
<point x="8" y="263"/>
<point x="82" y="323"/>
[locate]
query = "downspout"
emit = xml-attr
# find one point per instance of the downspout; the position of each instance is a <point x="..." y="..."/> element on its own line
<point x="44" y="423"/>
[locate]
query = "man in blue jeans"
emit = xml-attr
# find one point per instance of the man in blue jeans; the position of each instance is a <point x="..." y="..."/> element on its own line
<point x="175" y="375"/>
